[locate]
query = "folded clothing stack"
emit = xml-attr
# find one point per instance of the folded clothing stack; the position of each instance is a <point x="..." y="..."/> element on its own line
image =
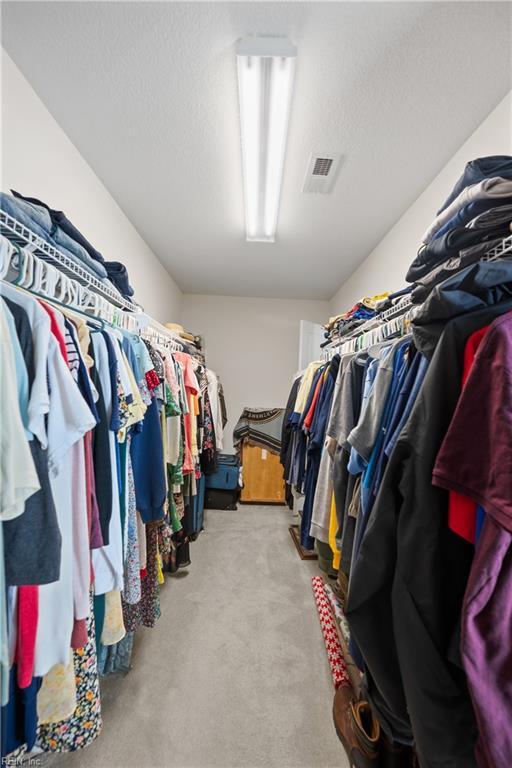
<point x="341" y="325"/>
<point x="57" y="230"/>
<point x="118" y="275"/>
<point x="183" y="334"/>
<point x="475" y="217"/>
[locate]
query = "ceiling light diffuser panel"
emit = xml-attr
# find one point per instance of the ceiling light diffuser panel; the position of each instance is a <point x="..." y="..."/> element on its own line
<point x="266" y="68"/>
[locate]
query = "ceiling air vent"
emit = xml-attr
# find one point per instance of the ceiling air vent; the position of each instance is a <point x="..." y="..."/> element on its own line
<point x="321" y="172"/>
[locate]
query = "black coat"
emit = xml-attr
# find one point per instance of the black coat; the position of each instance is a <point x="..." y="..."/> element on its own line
<point x="408" y="582"/>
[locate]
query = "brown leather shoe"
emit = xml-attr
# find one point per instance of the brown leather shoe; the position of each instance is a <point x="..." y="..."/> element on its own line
<point x="395" y="755"/>
<point x="357" y="728"/>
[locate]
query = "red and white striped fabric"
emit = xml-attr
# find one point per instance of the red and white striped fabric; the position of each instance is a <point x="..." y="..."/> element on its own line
<point x="328" y="625"/>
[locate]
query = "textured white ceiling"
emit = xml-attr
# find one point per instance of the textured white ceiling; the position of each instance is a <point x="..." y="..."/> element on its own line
<point x="148" y="94"/>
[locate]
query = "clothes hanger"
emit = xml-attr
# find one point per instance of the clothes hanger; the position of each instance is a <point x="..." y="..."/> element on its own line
<point x="27" y="272"/>
<point x="7" y="253"/>
<point x="19" y="266"/>
<point x="36" y="276"/>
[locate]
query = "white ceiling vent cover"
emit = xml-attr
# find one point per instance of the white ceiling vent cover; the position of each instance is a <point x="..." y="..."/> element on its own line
<point x="321" y="172"/>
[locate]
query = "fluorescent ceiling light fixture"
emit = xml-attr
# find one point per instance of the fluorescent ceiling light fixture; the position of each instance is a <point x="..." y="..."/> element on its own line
<point x="266" y="66"/>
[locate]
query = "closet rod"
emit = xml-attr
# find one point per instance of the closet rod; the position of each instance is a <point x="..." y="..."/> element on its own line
<point x="33" y="275"/>
<point x="152" y="328"/>
<point x="403" y="308"/>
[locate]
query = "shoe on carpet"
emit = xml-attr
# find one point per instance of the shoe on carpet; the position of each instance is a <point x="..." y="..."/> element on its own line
<point x="357" y="728"/>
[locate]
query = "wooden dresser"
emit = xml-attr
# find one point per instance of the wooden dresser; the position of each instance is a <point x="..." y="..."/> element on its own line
<point x="262" y="476"/>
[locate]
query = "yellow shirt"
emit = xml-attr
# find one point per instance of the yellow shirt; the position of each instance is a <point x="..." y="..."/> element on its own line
<point x="333" y="527"/>
<point x="305" y="386"/>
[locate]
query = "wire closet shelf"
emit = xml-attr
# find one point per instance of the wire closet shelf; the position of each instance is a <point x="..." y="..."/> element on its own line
<point x="396" y="319"/>
<point x="25" y="238"/>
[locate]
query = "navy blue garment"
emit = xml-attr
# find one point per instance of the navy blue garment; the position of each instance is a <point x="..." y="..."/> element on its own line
<point x="314" y="450"/>
<point x="19" y="715"/>
<point x="115" y="419"/>
<point x="146" y="452"/>
<point x="478" y="170"/>
<point x="101" y="456"/>
<point x="468" y="212"/>
<point x="369" y="477"/>
<point x="401" y="292"/>
<point x="118" y="274"/>
<point x="442" y="248"/>
<point x="60" y="218"/>
<point x="372" y="473"/>
<point x="417" y="374"/>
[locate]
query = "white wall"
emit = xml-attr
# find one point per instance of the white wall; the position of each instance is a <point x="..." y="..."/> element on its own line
<point x="39" y="160"/>
<point x="253" y="344"/>
<point x="385" y="268"/>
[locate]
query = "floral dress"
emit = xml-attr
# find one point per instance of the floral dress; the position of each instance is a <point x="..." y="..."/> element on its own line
<point x="84" y="725"/>
<point x="147" y="611"/>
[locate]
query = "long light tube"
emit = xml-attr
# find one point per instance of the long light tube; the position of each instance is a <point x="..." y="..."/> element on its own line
<point x="266" y="67"/>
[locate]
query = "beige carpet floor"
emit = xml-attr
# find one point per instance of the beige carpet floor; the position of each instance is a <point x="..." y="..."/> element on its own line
<point x="235" y="673"/>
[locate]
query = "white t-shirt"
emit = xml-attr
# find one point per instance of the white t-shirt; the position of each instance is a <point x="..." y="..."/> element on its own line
<point x="39" y="402"/>
<point x="18" y="476"/>
<point x="69" y="418"/>
<point x="81" y="551"/>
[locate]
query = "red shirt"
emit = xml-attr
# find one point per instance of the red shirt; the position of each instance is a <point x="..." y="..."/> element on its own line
<point x="461" y="509"/>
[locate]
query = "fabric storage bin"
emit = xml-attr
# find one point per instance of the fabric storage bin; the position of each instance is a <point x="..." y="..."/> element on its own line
<point x="227" y="475"/>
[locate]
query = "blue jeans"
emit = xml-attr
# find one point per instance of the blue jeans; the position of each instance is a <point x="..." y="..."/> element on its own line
<point x="38" y="220"/>
<point x="22" y="212"/>
<point x="75" y="251"/>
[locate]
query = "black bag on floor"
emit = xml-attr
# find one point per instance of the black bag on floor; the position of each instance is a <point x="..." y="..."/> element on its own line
<point x="218" y="498"/>
<point x="222" y="487"/>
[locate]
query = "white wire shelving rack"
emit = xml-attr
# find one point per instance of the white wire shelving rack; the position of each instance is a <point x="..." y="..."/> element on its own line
<point x="397" y="318"/>
<point x="21" y="235"/>
<point x="502" y="249"/>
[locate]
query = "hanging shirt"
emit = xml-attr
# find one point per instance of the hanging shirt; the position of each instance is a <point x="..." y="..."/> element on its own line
<point x="20" y="368"/>
<point x="213" y="391"/>
<point x="69" y="419"/>
<point x="35" y="565"/>
<point x="100" y="447"/>
<point x="363" y="436"/>
<point x="481" y="469"/>
<point x="108" y="560"/>
<point x="192" y="390"/>
<point x="462" y="511"/>
<point x="305" y="386"/>
<point x="147" y="457"/>
<point x="39" y="402"/>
